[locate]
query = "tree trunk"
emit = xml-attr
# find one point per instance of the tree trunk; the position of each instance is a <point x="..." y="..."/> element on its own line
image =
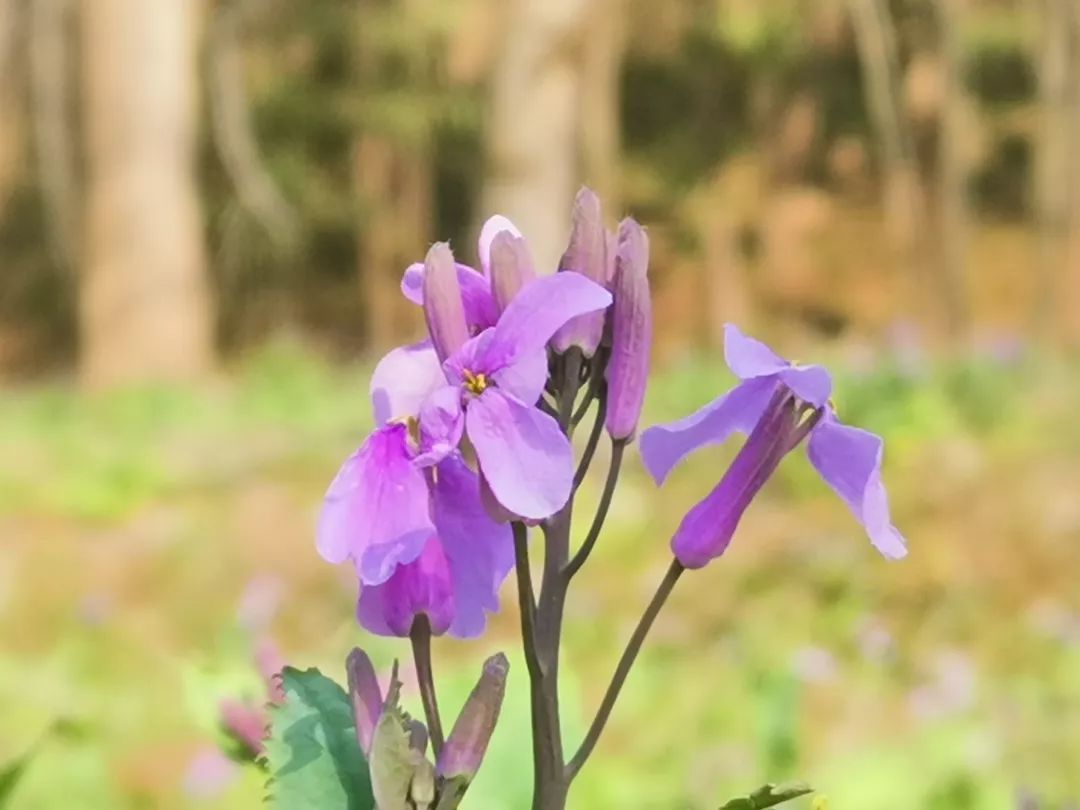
<point x="954" y="215"/>
<point x="605" y="37"/>
<point x="875" y="38"/>
<point x="49" y="52"/>
<point x="1070" y="298"/>
<point x="10" y="131"/>
<point x="144" y="300"/>
<point x="1053" y="164"/>
<point x="532" y="146"/>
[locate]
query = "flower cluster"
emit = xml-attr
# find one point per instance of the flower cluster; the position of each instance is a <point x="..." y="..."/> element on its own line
<point x="472" y="446"/>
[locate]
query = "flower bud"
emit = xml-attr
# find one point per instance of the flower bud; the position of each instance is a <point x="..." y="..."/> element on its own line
<point x="443" y="308"/>
<point x="586" y="254"/>
<point x="365" y="696"/>
<point x="468" y="740"/>
<point x="511" y="267"/>
<point x="631" y="332"/>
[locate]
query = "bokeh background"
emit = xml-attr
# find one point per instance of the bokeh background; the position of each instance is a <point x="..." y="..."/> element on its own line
<point x="205" y="210"/>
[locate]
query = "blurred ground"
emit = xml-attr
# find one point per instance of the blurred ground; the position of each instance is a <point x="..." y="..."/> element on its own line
<point x="150" y="536"/>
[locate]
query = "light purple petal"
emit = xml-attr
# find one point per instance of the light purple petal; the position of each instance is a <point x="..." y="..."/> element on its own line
<point x="664" y="446"/>
<point x="480" y="552"/>
<point x="376" y="510"/>
<point x="491" y="228"/>
<point x="473" y="357"/>
<point x="525" y="378"/>
<point x="524" y="456"/>
<point x="480" y="308"/>
<point x="420" y="587"/>
<point x="442" y="422"/>
<point x="538" y="311"/>
<point x="809" y="383"/>
<point x="849" y="459"/>
<point x="747" y="357"/>
<point x="402" y="380"/>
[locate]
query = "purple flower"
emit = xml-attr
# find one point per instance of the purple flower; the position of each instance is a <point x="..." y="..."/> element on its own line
<point x="419" y="536"/>
<point x="777" y="404"/>
<point x="631" y="332"/>
<point x="365" y="695"/>
<point x="493" y="383"/>
<point x="468" y="740"/>
<point x="511" y="267"/>
<point x="586" y="254"/>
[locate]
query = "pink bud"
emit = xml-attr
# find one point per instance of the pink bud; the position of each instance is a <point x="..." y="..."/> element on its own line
<point x="631" y="332"/>
<point x="511" y="267"/>
<point x="443" y="307"/>
<point x="468" y="740"/>
<point x="586" y="254"/>
<point x="365" y="696"/>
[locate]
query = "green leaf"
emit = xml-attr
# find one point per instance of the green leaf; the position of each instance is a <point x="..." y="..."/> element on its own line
<point x="314" y="758"/>
<point x="769" y="796"/>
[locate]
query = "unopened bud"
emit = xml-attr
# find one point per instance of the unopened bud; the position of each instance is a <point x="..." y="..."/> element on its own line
<point x="365" y="696"/>
<point x="631" y="332"/>
<point x="511" y="267"/>
<point x="443" y="308"/>
<point x="468" y="740"/>
<point x="586" y="254"/>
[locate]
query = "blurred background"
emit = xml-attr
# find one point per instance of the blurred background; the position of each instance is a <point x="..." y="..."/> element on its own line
<point x="205" y="211"/>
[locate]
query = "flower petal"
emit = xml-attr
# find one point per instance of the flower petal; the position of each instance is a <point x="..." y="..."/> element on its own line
<point x="811" y="384"/>
<point x="664" y="446"/>
<point x="419" y="587"/>
<point x="747" y="357"/>
<point x="849" y="459"/>
<point x="479" y="551"/>
<point x="525" y="458"/>
<point x="376" y="510"/>
<point x="535" y="314"/>
<point x="525" y="378"/>
<point x="480" y="308"/>
<point x="491" y="228"/>
<point x="403" y="379"/>
<point x="441" y="424"/>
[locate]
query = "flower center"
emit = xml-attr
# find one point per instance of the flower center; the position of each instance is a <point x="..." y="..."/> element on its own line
<point x="475" y="383"/>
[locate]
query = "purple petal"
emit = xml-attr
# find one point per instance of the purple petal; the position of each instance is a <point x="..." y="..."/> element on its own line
<point x="442" y="422"/>
<point x="443" y="307"/>
<point x="365" y="695"/>
<point x="747" y="357"/>
<point x="376" y="510"/>
<point x="849" y="459"/>
<point x="511" y="268"/>
<point x="473" y="356"/>
<point x="419" y="587"/>
<point x="538" y="311"/>
<point x="402" y="381"/>
<point x="811" y="384"/>
<point x="525" y="378"/>
<point x="586" y="254"/>
<point x="494" y="226"/>
<point x="480" y="308"/>
<point x="525" y="458"/>
<point x="480" y="552"/>
<point x="664" y="446"/>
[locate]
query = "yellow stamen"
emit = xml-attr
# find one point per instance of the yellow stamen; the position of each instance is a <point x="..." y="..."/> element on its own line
<point x="475" y="383"/>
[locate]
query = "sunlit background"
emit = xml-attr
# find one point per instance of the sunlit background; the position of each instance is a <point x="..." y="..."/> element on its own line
<point x="205" y="210"/>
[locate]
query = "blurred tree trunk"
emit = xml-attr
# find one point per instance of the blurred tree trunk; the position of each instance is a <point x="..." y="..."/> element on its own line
<point x="50" y="47"/>
<point x="10" y="131"/>
<point x="605" y="42"/>
<point x="1056" y="144"/>
<point x="875" y="38"/>
<point x="1070" y="299"/>
<point x="954" y="208"/>
<point x="532" y="149"/>
<point x="144" y="300"/>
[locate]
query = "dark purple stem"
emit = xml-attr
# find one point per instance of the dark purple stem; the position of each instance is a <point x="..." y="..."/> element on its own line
<point x="420" y="636"/>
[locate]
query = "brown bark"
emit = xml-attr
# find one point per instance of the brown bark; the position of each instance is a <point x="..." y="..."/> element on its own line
<point x="954" y="214"/>
<point x="1053" y="164"/>
<point x="50" y="47"/>
<point x="532" y="146"/>
<point x="605" y="42"/>
<point x="10" y="130"/>
<point x="144" y="300"/>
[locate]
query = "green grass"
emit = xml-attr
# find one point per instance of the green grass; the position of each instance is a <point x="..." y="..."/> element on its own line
<point x="131" y="524"/>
